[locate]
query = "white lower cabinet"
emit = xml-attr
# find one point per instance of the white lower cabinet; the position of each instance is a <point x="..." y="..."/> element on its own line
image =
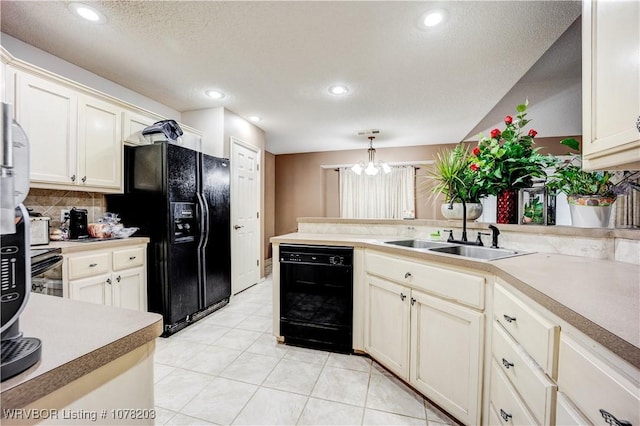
<point x="386" y="327"/>
<point x="436" y="345"/>
<point x="567" y="414"/>
<point x="598" y="389"/>
<point x="446" y="355"/>
<point x="112" y="277"/>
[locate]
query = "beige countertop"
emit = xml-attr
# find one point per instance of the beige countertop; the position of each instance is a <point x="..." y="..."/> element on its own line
<point x="75" y="246"/>
<point x="601" y="298"/>
<point x="77" y="338"/>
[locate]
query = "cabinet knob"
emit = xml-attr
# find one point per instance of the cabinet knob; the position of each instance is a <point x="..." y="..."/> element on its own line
<point x="108" y="280"/>
<point x="407" y="275"/>
<point x="505" y="416"/>
<point x="93" y="265"/>
<point x="638" y="123"/>
<point x="509" y="319"/>
<point x="118" y="278"/>
<point x="610" y="419"/>
<point x="506" y="363"/>
<point x="84" y="179"/>
<point x="413" y="301"/>
<point x="132" y="257"/>
<point x="403" y="296"/>
<point x="73" y="178"/>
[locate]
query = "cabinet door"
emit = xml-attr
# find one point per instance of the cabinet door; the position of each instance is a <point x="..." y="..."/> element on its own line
<point x="94" y="290"/>
<point x="99" y="144"/>
<point x="387" y="324"/>
<point x="129" y="289"/>
<point x="611" y="84"/>
<point x="132" y="126"/>
<point x="446" y="355"/>
<point x="47" y="112"/>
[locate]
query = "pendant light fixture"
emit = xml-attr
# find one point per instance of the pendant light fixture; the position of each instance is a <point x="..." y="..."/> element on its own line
<point x="371" y="168"/>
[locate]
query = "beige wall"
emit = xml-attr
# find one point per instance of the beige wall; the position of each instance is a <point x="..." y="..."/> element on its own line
<point x="269" y="201"/>
<point x="305" y="189"/>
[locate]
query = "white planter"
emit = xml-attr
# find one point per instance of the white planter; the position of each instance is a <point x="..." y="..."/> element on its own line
<point x="590" y="212"/>
<point x="474" y="210"/>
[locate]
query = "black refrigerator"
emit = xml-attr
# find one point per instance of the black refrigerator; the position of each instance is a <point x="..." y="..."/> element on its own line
<point x="179" y="198"/>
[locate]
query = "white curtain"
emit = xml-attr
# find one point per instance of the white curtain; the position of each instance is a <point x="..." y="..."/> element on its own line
<point x="383" y="196"/>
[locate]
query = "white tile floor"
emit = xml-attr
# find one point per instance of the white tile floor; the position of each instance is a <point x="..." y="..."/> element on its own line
<point x="229" y="369"/>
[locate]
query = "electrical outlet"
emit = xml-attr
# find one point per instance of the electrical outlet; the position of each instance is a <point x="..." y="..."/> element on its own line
<point x="64" y="215"/>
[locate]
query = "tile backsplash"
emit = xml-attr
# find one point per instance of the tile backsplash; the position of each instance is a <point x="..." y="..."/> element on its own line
<point x="50" y="202"/>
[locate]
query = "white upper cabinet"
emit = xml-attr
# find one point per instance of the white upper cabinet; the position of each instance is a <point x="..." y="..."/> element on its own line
<point x="132" y="126"/>
<point x="611" y="85"/>
<point x="48" y="113"/>
<point x="99" y="145"/>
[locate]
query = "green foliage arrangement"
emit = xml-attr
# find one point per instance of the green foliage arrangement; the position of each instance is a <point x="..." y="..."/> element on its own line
<point x="452" y="176"/>
<point x="506" y="159"/>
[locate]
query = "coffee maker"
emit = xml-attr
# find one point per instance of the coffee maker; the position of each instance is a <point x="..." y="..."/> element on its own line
<point x="18" y="352"/>
<point x="78" y="228"/>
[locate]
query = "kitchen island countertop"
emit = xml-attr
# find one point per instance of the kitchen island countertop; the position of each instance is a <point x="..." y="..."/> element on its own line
<point x="600" y="298"/>
<point x="77" y="338"/>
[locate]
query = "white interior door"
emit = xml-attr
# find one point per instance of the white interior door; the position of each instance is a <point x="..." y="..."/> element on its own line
<point x="245" y="215"/>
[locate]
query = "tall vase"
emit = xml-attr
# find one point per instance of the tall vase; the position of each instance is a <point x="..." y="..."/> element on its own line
<point x="507" y="206"/>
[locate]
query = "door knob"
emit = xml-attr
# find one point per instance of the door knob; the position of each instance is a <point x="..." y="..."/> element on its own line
<point x="236" y="227"/>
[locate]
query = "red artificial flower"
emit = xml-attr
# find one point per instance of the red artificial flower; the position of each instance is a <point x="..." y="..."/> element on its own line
<point x="495" y="133"/>
<point x="508" y="119"/>
<point x="476" y="151"/>
<point x="532" y="133"/>
<point x="474" y="167"/>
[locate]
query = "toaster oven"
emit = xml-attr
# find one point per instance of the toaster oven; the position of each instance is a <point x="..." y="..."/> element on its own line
<point x="39" y="230"/>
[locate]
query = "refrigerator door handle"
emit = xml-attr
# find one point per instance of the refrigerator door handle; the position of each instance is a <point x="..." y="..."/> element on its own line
<point x="204" y="221"/>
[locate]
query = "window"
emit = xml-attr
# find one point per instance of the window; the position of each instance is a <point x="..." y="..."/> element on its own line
<point x="382" y="196"/>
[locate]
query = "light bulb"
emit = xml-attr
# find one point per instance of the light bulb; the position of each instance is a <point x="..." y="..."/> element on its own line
<point x="357" y="169"/>
<point x="371" y="170"/>
<point x="386" y="168"/>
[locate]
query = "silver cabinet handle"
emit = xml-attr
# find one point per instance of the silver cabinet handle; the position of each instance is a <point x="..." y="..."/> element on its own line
<point x="93" y="265"/>
<point x="509" y="319"/>
<point x="505" y="416"/>
<point x="84" y="179"/>
<point x="73" y="178"/>
<point x="407" y="275"/>
<point x="108" y="280"/>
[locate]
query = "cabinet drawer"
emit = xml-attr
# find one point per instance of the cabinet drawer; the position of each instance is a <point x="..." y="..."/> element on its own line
<point x="128" y="258"/>
<point x="463" y="288"/>
<point x="567" y="414"/>
<point x="592" y="384"/>
<point x="509" y="407"/>
<point x="535" y="388"/>
<point x="89" y="265"/>
<point x="536" y="334"/>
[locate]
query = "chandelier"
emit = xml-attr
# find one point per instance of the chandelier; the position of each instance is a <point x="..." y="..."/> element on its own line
<point x="372" y="167"/>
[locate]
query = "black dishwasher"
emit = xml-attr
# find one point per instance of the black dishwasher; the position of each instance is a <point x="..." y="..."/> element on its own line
<point x="316" y="296"/>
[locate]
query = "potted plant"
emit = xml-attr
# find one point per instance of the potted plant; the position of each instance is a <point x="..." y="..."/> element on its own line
<point x="590" y="195"/>
<point x="505" y="161"/>
<point x="452" y="177"/>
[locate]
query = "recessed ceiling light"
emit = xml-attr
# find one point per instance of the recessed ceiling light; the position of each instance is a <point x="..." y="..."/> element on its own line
<point x="87" y="12"/>
<point x="255" y="118"/>
<point x="215" y="94"/>
<point x="434" y="17"/>
<point x="338" y="90"/>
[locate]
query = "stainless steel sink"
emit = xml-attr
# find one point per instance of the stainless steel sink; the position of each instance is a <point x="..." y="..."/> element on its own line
<point x="419" y="244"/>
<point x="480" y="253"/>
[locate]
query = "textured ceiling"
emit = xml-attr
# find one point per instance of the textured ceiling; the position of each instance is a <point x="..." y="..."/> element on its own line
<point x="277" y="59"/>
